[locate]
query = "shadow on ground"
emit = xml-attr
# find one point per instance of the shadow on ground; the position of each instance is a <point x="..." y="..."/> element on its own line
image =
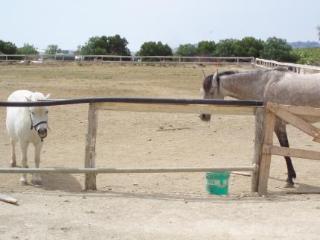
<point x="61" y="182"/>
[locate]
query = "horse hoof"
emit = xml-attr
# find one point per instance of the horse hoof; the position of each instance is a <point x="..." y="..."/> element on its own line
<point x="13" y="164"/>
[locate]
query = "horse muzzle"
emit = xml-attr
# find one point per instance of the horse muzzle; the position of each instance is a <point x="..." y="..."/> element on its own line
<point x="205" y="117"/>
<point x="42" y="132"/>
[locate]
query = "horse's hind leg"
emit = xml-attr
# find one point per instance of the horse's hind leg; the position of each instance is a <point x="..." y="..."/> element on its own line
<point x="24" y="150"/>
<point x="13" y="153"/>
<point x="281" y="133"/>
<point x="36" y="178"/>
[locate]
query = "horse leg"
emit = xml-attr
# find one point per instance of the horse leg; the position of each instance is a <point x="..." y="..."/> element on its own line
<point x="13" y="153"/>
<point x="281" y="133"/>
<point x="24" y="151"/>
<point x="36" y="178"/>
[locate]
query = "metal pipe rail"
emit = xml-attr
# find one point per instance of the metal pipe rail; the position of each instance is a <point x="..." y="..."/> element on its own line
<point x="171" y="101"/>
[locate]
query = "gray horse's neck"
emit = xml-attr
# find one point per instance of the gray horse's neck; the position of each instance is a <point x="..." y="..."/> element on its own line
<point x="246" y="85"/>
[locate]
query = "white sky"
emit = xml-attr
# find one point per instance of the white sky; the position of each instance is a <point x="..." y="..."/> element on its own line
<point x="69" y="23"/>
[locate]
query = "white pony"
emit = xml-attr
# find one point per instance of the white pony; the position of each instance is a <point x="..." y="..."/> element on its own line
<point x="27" y="125"/>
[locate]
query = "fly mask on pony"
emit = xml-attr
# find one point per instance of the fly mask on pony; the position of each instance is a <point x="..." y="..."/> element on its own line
<point x="39" y="115"/>
<point x="211" y="89"/>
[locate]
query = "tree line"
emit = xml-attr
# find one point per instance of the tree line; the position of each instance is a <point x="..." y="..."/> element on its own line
<point x="273" y="48"/>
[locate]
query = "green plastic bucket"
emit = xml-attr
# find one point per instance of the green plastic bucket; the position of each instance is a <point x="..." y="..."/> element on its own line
<point x="218" y="183"/>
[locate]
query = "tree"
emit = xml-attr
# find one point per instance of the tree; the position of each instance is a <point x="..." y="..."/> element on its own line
<point x="187" y="50"/>
<point x="318" y="28"/>
<point x="206" y="48"/>
<point x="154" y="49"/>
<point x="53" y="49"/>
<point x="118" y="46"/>
<point x="227" y="48"/>
<point x="7" y="47"/>
<point x="279" y="50"/>
<point x="250" y="47"/>
<point x="104" y="45"/>
<point x="27" y="49"/>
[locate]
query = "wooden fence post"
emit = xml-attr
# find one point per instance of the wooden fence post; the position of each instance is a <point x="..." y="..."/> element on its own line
<point x="258" y="142"/>
<point x="264" y="166"/>
<point x="90" y="178"/>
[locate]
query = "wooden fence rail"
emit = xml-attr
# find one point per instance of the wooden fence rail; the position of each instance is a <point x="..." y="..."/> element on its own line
<point x="298" y="68"/>
<point x="126" y="59"/>
<point x="124" y="170"/>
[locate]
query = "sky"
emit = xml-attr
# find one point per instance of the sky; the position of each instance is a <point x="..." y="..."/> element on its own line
<point x="70" y="23"/>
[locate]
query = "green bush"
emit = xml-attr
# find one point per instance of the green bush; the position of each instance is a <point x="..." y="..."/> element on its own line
<point x="309" y="56"/>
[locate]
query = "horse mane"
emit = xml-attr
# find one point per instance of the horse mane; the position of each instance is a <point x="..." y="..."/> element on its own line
<point x="207" y="82"/>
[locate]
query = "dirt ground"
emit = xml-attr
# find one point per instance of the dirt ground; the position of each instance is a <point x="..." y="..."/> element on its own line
<point x="148" y="206"/>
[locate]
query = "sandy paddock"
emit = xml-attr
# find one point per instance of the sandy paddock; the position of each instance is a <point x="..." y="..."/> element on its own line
<point x="148" y="206"/>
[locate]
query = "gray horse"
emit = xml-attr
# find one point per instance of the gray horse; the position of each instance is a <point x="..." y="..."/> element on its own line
<point x="276" y="85"/>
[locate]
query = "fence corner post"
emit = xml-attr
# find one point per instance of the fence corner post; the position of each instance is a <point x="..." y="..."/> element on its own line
<point x="90" y="178"/>
<point x="265" y="161"/>
<point x="258" y="142"/>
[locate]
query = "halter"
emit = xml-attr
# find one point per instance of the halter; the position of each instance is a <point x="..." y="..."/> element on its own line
<point x="218" y="75"/>
<point x="218" y="83"/>
<point x="34" y="126"/>
<point x="217" y="78"/>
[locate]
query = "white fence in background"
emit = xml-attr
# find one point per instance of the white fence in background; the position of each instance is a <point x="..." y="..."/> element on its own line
<point x="298" y="68"/>
<point x="126" y="59"/>
<point x="257" y="62"/>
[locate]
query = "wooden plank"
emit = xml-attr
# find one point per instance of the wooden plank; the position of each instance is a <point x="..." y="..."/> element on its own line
<point x="264" y="167"/>
<point x="302" y="110"/>
<point x="292" y="152"/>
<point x="8" y="199"/>
<point x="294" y="121"/>
<point x="123" y="170"/>
<point x="178" y="108"/>
<point x="90" y="179"/>
<point x="257" y="148"/>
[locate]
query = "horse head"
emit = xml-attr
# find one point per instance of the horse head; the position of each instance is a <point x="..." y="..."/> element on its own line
<point x="39" y="115"/>
<point x="211" y="89"/>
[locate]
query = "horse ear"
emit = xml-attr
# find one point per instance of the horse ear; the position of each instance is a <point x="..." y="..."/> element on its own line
<point x="204" y="73"/>
<point x="215" y="75"/>
<point x="47" y="96"/>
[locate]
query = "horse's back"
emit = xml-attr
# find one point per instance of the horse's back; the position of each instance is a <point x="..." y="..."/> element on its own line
<point x="17" y="118"/>
<point x="19" y="96"/>
<point x="295" y="89"/>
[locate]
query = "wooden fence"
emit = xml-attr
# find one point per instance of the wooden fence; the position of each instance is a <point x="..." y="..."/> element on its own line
<point x="195" y="106"/>
<point x="125" y="59"/>
<point x="264" y="128"/>
<point x="297" y="116"/>
<point x="298" y="68"/>
<point x="257" y="62"/>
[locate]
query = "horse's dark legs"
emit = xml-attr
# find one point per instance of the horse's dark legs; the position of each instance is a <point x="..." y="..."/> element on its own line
<point x="281" y="133"/>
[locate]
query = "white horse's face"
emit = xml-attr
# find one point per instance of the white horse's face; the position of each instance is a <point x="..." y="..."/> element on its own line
<point x="39" y="115"/>
<point x="39" y="120"/>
